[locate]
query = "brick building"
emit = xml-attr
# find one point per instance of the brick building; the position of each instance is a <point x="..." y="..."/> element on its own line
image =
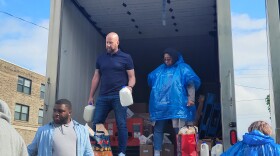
<point x="24" y="92"/>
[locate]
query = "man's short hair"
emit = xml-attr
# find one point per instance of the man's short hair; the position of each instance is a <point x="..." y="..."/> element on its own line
<point x="262" y="126"/>
<point x="64" y="101"/>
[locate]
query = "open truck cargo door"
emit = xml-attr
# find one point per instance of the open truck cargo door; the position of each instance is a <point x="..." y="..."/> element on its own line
<point x="273" y="11"/>
<point x="200" y="30"/>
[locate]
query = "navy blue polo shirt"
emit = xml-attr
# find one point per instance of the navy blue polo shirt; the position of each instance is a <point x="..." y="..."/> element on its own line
<point x="112" y="70"/>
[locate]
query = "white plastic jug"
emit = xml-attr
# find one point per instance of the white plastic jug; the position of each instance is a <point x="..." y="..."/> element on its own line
<point x="217" y="150"/>
<point x="204" y="149"/>
<point x="88" y="113"/>
<point x="126" y="97"/>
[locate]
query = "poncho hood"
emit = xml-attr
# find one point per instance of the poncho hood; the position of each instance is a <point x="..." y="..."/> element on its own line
<point x="256" y="138"/>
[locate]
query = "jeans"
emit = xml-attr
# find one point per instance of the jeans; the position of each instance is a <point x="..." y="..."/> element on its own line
<point x="103" y="106"/>
<point x="158" y="133"/>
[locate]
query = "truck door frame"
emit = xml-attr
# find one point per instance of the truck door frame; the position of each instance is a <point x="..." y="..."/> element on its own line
<point x="272" y="9"/>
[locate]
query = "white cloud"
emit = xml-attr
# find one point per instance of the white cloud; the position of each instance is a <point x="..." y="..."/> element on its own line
<point x="245" y="22"/>
<point x="251" y="70"/>
<point x="24" y="44"/>
<point x="250" y="50"/>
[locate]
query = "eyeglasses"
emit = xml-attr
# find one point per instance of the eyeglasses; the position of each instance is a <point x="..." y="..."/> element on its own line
<point x="167" y="59"/>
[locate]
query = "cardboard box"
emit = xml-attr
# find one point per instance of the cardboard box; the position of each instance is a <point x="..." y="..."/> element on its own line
<point x="167" y="150"/>
<point x="147" y="126"/>
<point x="146" y="150"/>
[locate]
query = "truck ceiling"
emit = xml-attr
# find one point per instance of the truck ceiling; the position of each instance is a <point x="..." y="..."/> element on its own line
<point x="145" y="18"/>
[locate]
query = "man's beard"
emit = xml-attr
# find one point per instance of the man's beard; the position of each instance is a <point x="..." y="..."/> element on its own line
<point x="109" y="50"/>
<point x="62" y="120"/>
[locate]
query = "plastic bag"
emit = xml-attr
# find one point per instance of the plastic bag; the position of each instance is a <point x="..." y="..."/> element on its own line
<point x="145" y="140"/>
<point x="101" y="142"/>
<point x="166" y="140"/>
<point x="186" y="141"/>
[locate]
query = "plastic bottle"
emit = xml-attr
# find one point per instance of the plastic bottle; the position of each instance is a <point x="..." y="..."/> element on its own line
<point x="204" y="149"/>
<point x="217" y="150"/>
<point x="88" y="113"/>
<point x="125" y="97"/>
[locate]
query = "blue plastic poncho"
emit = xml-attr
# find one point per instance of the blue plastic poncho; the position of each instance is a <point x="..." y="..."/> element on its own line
<point x="254" y="143"/>
<point x="168" y="98"/>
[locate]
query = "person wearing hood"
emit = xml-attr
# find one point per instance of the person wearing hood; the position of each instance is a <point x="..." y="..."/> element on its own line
<point x="63" y="136"/>
<point x="11" y="143"/>
<point x="257" y="142"/>
<point x="173" y="85"/>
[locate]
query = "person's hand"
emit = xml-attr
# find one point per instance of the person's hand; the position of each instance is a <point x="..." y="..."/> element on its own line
<point x="130" y="88"/>
<point x="190" y="103"/>
<point x="91" y="101"/>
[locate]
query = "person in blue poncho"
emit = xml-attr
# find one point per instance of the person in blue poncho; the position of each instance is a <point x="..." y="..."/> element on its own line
<point x="255" y="143"/>
<point x="172" y="96"/>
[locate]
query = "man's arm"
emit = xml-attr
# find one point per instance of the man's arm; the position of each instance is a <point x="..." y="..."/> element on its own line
<point x="88" y="148"/>
<point x="94" y="84"/>
<point x="32" y="148"/>
<point x="191" y="94"/>
<point x="131" y="79"/>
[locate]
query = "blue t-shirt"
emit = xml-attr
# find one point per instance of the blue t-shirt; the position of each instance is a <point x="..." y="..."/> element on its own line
<point x="112" y="70"/>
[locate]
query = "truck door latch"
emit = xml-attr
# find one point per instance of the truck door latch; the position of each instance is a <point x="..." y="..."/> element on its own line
<point x="232" y="124"/>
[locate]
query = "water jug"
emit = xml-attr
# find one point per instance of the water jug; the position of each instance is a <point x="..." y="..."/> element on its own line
<point x="217" y="150"/>
<point x="126" y="97"/>
<point x="204" y="149"/>
<point x="88" y="113"/>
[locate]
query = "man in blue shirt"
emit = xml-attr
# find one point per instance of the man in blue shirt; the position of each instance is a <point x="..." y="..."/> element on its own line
<point x="62" y="136"/>
<point x="114" y="69"/>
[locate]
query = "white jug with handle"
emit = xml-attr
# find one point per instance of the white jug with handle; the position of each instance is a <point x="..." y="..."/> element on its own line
<point x="204" y="149"/>
<point x="88" y="113"/>
<point x="217" y="150"/>
<point x="126" y="97"/>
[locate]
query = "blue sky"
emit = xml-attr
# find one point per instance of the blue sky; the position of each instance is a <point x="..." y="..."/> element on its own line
<point x="255" y="8"/>
<point x="20" y="40"/>
<point x="36" y="10"/>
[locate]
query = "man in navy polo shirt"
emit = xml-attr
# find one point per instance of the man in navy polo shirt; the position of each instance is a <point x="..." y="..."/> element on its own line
<point x="114" y="70"/>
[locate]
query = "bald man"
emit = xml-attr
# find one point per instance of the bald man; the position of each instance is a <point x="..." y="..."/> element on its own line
<point x="114" y="69"/>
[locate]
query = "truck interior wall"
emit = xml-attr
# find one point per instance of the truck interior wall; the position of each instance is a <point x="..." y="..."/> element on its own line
<point x="80" y="44"/>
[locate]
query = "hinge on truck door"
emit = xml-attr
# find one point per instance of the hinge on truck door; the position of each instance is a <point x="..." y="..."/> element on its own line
<point x="232" y="124"/>
<point x="48" y="82"/>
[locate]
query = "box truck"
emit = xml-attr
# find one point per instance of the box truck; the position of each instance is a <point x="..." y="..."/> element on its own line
<point x="199" y="29"/>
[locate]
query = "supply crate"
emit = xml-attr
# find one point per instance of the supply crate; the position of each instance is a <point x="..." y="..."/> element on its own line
<point x="134" y="127"/>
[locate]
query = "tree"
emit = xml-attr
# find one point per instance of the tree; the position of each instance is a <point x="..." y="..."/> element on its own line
<point x="267" y="101"/>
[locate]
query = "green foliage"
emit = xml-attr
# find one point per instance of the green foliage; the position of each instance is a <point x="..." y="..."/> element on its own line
<point x="267" y="100"/>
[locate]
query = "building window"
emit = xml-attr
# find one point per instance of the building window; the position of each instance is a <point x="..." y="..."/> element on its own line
<point x="42" y="93"/>
<point x="21" y="112"/>
<point x="24" y="85"/>
<point x="40" y="116"/>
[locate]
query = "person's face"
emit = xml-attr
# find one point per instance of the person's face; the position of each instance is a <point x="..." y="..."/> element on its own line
<point x="61" y="114"/>
<point x="167" y="59"/>
<point x="112" y="43"/>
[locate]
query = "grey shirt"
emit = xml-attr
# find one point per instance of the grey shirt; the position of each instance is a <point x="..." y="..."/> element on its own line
<point x="64" y="140"/>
